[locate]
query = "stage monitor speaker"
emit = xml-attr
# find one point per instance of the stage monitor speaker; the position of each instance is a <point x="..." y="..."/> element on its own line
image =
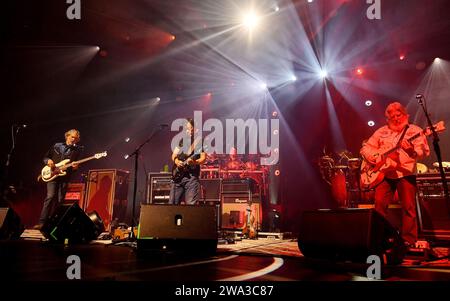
<point x="349" y="235"/>
<point x="107" y="193"/>
<point x="10" y="226"/>
<point x="178" y="228"/>
<point x="72" y="223"/>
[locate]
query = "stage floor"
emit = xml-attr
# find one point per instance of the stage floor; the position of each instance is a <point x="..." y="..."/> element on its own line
<point x="262" y="259"/>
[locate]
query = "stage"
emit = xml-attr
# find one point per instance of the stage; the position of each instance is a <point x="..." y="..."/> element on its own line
<point x="262" y="259"/>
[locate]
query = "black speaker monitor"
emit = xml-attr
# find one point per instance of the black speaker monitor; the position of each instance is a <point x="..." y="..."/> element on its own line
<point x="10" y="226"/>
<point x="349" y="235"/>
<point x="178" y="228"/>
<point x="70" y="222"/>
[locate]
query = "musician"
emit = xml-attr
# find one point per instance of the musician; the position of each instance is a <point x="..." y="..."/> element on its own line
<point x="188" y="161"/>
<point x="56" y="189"/>
<point x="400" y="175"/>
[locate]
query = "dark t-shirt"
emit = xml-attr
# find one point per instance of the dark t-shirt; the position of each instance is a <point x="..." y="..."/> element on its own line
<point x="193" y="170"/>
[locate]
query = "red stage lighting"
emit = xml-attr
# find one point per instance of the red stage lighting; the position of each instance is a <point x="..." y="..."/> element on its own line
<point x="359" y="71"/>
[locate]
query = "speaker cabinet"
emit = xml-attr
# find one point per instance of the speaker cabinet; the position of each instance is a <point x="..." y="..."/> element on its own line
<point x="178" y="228"/>
<point x="107" y="192"/>
<point x="235" y="209"/>
<point x="349" y="234"/>
<point x="158" y="187"/>
<point x="72" y="223"/>
<point x="210" y="189"/>
<point x="10" y="226"/>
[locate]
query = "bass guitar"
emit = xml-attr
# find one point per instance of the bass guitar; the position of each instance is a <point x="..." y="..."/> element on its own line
<point x="373" y="173"/>
<point x="249" y="229"/>
<point x="48" y="174"/>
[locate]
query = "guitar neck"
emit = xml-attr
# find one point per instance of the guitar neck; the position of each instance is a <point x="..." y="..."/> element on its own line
<point x="410" y="139"/>
<point x="83" y="160"/>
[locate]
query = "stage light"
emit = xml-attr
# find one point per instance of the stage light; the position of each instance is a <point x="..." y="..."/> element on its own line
<point x="323" y="73"/>
<point x="126" y="156"/>
<point x="263" y="86"/>
<point x="368" y="103"/>
<point x="209" y="94"/>
<point x="277" y="172"/>
<point x="437" y="60"/>
<point x="401" y="57"/>
<point x="310" y="1"/>
<point x="359" y="71"/>
<point x="250" y="20"/>
<point x="293" y="78"/>
<point x="276" y="8"/>
<point x="275" y="132"/>
<point x="158" y="99"/>
<point x="274" y="114"/>
<point x="127" y="139"/>
<point x="370" y="123"/>
<point x="97" y="48"/>
<point x="172" y="37"/>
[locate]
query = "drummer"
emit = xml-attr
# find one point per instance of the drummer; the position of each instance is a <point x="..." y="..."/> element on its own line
<point x="234" y="162"/>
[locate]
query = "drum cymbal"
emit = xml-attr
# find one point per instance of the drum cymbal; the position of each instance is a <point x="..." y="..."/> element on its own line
<point x="339" y="167"/>
<point x="421" y="168"/>
<point x="445" y="164"/>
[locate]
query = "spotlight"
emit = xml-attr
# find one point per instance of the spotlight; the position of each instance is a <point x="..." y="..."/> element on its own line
<point x="277" y="172"/>
<point x="323" y="73"/>
<point x="276" y="8"/>
<point x="126" y="156"/>
<point x="274" y="114"/>
<point x="437" y="60"/>
<point x="263" y="86"/>
<point x="368" y="103"/>
<point x="172" y="37"/>
<point x="370" y="123"/>
<point x="293" y="78"/>
<point x="310" y="1"/>
<point x="359" y="71"/>
<point x="157" y="99"/>
<point x="401" y="57"/>
<point x="97" y="48"/>
<point x="275" y="132"/>
<point x="127" y="139"/>
<point x="250" y="20"/>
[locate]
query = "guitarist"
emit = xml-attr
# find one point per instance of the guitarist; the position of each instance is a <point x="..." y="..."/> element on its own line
<point x="187" y="160"/>
<point x="400" y="173"/>
<point x="56" y="189"/>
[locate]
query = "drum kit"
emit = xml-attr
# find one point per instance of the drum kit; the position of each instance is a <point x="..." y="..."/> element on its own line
<point x="344" y="179"/>
<point x="234" y="167"/>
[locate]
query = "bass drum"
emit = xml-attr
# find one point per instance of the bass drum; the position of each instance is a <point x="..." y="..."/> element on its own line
<point x="339" y="186"/>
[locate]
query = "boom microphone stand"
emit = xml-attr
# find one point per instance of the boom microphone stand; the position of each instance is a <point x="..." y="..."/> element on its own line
<point x="135" y="153"/>
<point x="437" y="149"/>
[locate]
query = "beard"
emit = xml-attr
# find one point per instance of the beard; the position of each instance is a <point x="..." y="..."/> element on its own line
<point x="397" y="127"/>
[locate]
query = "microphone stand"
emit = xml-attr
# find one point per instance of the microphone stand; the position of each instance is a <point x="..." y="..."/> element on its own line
<point x="3" y="181"/>
<point x="132" y="237"/>
<point x="437" y="150"/>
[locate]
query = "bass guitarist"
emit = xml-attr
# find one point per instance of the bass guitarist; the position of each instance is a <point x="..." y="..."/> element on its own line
<point x="56" y="188"/>
<point x="399" y="166"/>
<point x="187" y="158"/>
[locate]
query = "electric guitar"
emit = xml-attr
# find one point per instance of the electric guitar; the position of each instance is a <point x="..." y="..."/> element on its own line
<point x="178" y="172"/>
<point x="48" y="174"/>
<point x="373" y="173"/>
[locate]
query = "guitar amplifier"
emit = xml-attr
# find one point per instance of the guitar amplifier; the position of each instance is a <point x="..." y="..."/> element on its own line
<point x="211" y="190"/>
<point x="75" y="194"/>
<point x="235" y="209"/>
<point x="246" y="185"/>
<point x="432" y="208"/>
<point x="158" y="187"/>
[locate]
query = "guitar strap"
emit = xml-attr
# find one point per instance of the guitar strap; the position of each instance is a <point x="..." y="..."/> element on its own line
<point x="403" y="135"/>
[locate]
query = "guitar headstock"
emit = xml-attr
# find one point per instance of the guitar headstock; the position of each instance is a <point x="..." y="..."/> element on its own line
<point x="438" y="127"/>
<point x="100" y="155"/>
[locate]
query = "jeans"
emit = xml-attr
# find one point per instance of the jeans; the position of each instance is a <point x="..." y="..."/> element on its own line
<point x="56" y="191"/>
<point x="189" y="187"/>
<point x="406" y="188"/>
